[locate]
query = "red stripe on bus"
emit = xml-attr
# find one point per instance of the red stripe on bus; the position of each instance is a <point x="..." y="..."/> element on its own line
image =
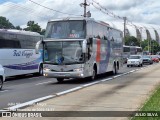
<point x="98" y="51"/>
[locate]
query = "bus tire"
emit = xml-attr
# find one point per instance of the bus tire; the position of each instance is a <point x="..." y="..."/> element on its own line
<point x="114" y="72"/>
<point x="60" y="80"/>
<point x="1" y="83"/>
<point x="40" y="70"/>
<point x="94" y="73"/>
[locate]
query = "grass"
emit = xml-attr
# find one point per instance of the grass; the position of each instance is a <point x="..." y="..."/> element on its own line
<point x="153" y="104"/>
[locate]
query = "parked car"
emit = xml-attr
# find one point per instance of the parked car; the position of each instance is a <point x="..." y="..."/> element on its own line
<point x="2" y="77"/>
<point x="155" y="58"/>
<point x="158" y="53"/>
<point x="147" y="59"/>
<point x="135" y="60"/>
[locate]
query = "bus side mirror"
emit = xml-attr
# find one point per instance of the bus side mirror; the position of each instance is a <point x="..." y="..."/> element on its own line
<point x="84" y="46"/>
<point x="37" y="47"/>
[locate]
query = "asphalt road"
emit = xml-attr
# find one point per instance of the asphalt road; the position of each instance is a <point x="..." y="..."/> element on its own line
<point x="25" y="88"/>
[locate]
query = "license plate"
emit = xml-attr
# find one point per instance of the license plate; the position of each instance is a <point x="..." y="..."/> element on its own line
<point x="61" y="74"/>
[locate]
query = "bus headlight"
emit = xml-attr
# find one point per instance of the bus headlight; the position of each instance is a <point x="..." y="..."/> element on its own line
<point x="78" y="69"/>
<point x="46" y="69"/>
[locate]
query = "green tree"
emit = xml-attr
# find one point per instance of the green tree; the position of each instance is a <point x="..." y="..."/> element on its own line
<point x="18" y="27"/>
<point x="32" y="26"/>
<point x="5" y="24"/>
<point x="132" y="41"/>
<point x="144" y="45"/>
<point x="152" y="46"/>
<point x="43" y="31"/>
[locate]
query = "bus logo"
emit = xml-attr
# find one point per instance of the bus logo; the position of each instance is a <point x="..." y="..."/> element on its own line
<point x="26" y="53"/>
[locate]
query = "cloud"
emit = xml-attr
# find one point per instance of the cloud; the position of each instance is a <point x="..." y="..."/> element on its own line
<point x="19" y="12"/>
<point x="120" y="4"/>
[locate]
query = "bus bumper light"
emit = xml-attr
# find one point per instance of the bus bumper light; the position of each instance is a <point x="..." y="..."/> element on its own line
<point x="45" y="75"/>
<point x="82" y="75"/>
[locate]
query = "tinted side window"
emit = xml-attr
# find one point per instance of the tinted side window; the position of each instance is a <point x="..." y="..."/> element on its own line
<point x="9" y="43"/>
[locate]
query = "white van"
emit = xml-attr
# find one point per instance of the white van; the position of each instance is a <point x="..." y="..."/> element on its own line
<point x="2" y="76"/>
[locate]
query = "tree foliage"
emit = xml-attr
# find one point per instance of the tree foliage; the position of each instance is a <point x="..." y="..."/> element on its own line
<point x="154" y="47"/>
<point x="132" y="41"/>
<point x="32" y="26"/>
<point x="43" y="31"/>
<point x="5" y="24"/>
<point x="144" y="45"/>
<point x="151" y="46"/>
<point x="18" y="27"/>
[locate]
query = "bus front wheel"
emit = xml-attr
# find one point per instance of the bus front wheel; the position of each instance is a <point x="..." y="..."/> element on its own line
<point x="60" y="80"/>
<point x="40" y="70"/>
<point x="94" y="73"/>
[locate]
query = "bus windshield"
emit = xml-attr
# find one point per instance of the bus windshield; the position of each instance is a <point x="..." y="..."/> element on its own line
<point x="73" y="29"/>
<point x="69" y="52"/>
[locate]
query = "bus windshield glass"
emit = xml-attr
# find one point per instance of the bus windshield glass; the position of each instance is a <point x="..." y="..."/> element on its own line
<point x="69" y="52"/>
<point x="72" y="29"/>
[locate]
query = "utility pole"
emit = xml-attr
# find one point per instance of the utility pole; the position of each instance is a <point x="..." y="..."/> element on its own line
<point x="125" y="19"/>
<point x="85" y="7"/>
<point x="141" y="35"/>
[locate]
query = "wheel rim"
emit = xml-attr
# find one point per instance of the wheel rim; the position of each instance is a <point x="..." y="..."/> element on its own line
<point x="93" y="75"/>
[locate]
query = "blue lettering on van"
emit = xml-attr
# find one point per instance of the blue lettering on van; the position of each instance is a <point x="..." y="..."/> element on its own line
<point x="16" y="53"/>
<point x="26" y="53"/>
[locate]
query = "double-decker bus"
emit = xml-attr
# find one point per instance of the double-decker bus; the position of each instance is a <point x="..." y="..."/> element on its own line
<point x="80" y="48"/>
<point x="17" y="52"/>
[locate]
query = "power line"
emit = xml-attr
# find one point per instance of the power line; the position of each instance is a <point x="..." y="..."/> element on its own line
<point x="104" y="10"/>
<point x="53" y="9"/>
<point x="111" y="14"/>
<point x="30" y="12"/>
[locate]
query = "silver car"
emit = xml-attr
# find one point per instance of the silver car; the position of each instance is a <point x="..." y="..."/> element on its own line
<point x="135" y="60"/>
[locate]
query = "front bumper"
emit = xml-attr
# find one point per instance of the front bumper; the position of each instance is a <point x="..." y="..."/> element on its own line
<point x="133" y="63"/>
<point x="78" y="74"/>
<point x="147" y="61"/>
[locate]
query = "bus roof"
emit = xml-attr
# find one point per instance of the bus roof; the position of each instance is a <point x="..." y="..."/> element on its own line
<point x="83" y="18"/>
<point x="13" y="31"/>
<point x="71" y="18"/>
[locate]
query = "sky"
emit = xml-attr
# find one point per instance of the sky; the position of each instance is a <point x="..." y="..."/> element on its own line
<point x="19" y="12"/>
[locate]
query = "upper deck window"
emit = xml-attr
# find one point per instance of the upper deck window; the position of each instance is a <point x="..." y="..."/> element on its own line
<point x="71" y="29"/>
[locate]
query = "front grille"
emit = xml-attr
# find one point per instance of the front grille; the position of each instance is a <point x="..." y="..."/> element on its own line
<point x="62" y="71"/>
<point x="145" y="60"/>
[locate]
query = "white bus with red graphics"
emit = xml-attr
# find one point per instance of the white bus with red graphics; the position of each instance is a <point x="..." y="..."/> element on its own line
<point x="80" y="48"/>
